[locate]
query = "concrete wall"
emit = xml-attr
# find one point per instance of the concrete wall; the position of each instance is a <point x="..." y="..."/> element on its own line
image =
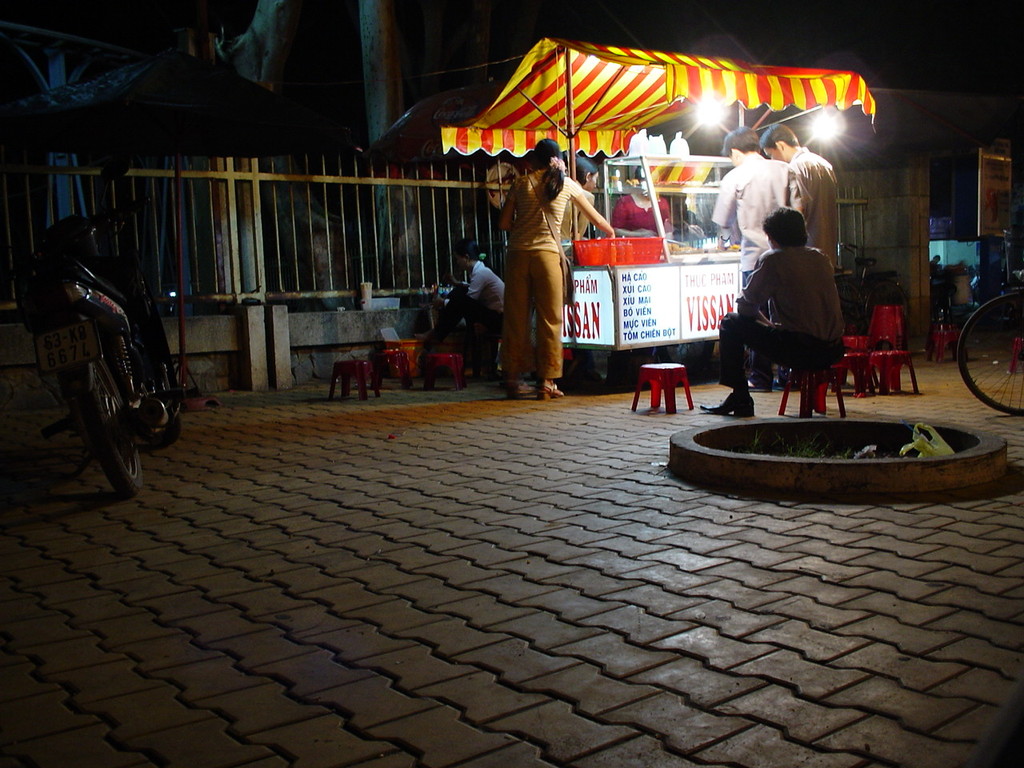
<point x="255" y="348"/>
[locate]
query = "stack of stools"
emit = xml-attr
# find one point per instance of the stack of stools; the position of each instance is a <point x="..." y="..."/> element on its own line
<point x="453" y="361"/>
<point x="889" y="327"/>
<point x="663" y="377"/>
<point x="346" y="370"/>
<point x="394" y="359"/>
<point x="941" y="336"/>
<point x="814" y="386"/>
<point x="856" y="362"/>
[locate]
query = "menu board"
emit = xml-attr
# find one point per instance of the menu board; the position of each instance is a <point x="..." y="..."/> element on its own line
<point x="645" y="306"/>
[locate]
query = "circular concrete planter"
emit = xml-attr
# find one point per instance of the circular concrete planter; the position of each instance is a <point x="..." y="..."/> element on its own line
<point x="707" y="456"/>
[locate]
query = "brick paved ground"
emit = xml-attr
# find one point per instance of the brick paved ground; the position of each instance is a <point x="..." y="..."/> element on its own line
<point x="451" y="579"/>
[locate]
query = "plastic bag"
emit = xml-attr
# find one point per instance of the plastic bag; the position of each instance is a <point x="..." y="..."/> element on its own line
<point x="927" y="442"/>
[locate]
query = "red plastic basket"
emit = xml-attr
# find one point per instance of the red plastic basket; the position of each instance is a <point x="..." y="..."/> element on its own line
<point x="618" y="250"/>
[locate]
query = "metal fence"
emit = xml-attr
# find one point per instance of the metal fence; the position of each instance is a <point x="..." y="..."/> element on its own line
<point x="303" y="231"/>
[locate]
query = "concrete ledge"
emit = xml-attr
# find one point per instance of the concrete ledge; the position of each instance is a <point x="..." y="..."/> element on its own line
<point x="706" y="456"/>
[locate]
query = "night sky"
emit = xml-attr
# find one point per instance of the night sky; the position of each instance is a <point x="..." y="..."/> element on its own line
<point x="938" y="46"/>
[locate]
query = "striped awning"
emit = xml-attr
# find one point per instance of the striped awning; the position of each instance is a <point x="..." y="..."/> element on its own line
<point x="617" y="91"/>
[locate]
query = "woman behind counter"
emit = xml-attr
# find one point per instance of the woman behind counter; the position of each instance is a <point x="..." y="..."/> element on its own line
<point x="633" y="215"/>
<point x="533" y="216"/>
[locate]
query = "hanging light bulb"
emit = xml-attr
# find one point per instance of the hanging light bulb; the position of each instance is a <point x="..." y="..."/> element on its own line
<point x="827" y="126"/>
<point x="709" y="112"/>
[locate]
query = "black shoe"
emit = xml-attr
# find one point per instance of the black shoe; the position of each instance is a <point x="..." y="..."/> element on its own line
<point x="733" y="405"/>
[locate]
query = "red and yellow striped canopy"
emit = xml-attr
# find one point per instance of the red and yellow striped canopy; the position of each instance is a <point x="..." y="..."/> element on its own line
<point x="617" y="91"/>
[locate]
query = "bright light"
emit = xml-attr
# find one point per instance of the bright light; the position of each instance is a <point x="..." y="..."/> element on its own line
<point x="827" y="126"/>
<point x="710" y="112"/>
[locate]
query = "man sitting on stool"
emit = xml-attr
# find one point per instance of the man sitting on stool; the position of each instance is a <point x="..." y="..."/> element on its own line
<point x="481" y="301"/>
<point x="806" y="326"/>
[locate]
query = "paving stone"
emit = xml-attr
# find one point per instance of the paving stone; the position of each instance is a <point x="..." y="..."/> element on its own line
<point x="589" y="689"/>
<point x="981" y="685"/>
<point x="563" y="734"/>
<point x="808" y="642"/>
<point x="261" y="707"/>
<point x="440" y="738"/>
<point x="685" y="728"/>
<point x="310" y="672"/>
<point x="883" y="739"/>
<point x="798" y="718"/>
<point x="981" y="653"/>
<point x="654" y="599"/>
<point x="615" y="655"/>
<point x="513" y="660"/>
<point x="726" y="618"/>
<point x="545" y="631"/>
<point x="86" y="747"/>
<point x="322" y="742"/>
<point x="811" y="680"/>
<point x="137" y="714"/>
<point x="764" y="747"/>
<point x="920" y="711"/>
<point x="815" y="614"/>
<point x="710" y="645"/>
<point x="918" y="674"/>
<point x="39" y="714"/>
<point x="641" y="751"/>
<point x="690" y="678"/>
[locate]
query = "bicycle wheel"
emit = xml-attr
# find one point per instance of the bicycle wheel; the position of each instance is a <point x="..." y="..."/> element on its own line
<point x="990" y="353"/>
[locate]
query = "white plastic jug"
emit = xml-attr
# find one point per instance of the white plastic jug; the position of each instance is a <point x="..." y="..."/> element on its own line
<point x="656" y="146"/>
<point x="679" y="147"/>
<point x="638" y="143"/>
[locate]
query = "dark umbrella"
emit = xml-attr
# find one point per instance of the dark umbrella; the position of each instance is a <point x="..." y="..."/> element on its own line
<point x="169" y="104"/>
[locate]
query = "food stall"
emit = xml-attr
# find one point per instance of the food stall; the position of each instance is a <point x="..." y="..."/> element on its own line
<point x="594" y="99"/>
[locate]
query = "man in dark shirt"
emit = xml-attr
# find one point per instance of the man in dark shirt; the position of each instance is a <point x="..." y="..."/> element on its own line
<point x="806" y="326"/>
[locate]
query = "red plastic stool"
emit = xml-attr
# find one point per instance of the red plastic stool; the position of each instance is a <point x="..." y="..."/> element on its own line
<point x="888" y="363"/>
<point x="814" y="385"/>
<point x="345" y="370"/>
<point x="887" y="325"/>
<point x="858" y="364"/>
<point x="941" y="336"/>
<point x="856" y="343"/>
<point x="391" y="358"/>
<point x="663" y="377"/>
<point x="453" y="361"/>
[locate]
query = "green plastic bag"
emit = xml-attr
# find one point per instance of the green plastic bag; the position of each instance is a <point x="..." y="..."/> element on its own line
<point x="927" y="442"/>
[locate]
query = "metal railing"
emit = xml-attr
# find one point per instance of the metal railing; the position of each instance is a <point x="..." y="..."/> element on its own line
<point x="306" y="232"/>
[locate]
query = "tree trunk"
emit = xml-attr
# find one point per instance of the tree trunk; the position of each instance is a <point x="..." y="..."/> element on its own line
<point x="382" y="76"/>
<point x="261" y="52"/>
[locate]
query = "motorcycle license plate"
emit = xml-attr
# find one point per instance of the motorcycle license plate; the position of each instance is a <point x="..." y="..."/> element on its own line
<point x="67" y="347"/>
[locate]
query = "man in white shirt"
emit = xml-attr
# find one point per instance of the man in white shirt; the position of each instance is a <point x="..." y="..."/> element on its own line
<point x="754" y="188"/>
<point x="480" y="301"/>
<point x="815" y="192"/>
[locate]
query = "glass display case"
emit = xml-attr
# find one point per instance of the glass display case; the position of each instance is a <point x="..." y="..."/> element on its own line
<point x="654" y="287"/>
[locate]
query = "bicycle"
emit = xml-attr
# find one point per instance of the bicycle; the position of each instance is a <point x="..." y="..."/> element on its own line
<point x="860" y="293"/>
<point x="990" y="352"/>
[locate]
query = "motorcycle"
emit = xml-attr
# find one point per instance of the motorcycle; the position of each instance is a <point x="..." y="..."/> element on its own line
<point x="97" y="330"/>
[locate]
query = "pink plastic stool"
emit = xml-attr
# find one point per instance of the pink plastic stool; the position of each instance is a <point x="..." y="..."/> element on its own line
<point x="1018" y="351"/>
<point x="858" y="364"/>
<point x="346" y="370"/>
<point x="663" y="377"/>
<point x="856" y="343"/>
<point x="888" y="326"/>
<point x="888" y="363"/>
<point x="941" y="336"/>
<point x="813" y="386"/>
<point x="453" y="361"/>
<point x="395" y="359"/>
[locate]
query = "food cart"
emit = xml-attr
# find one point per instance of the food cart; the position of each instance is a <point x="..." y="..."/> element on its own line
<point x="593" y="99"/>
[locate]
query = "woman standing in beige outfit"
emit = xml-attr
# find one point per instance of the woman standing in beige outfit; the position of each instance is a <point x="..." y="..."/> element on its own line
<point x="533" y="271"/>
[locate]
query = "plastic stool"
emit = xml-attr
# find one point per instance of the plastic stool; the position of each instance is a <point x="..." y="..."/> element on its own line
<point x="814" y="386"/>
<point x="941" y="336"/>
<point x="859" y="365"/>
<point x="663" y="376"/>
<point x="453" y="361"/>
<point x="856" y="343"/>
<point x="345" y="370"/>
<point x="389" y="358"/>
<point x="888" y="363"/>
<point x="887" y="325"/>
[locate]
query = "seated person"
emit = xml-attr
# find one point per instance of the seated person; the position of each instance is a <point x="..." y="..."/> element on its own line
<point x="633" y="215"/>
<point x="586" y="175"/>
<point x="478" y="302"/>
<point x="797" y="284"/>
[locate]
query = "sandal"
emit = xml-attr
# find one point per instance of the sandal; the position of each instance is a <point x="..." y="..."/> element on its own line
<point x="549" y="392"/>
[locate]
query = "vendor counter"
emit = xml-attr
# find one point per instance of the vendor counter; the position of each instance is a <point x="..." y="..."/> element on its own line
<point x="646" y="305"/>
